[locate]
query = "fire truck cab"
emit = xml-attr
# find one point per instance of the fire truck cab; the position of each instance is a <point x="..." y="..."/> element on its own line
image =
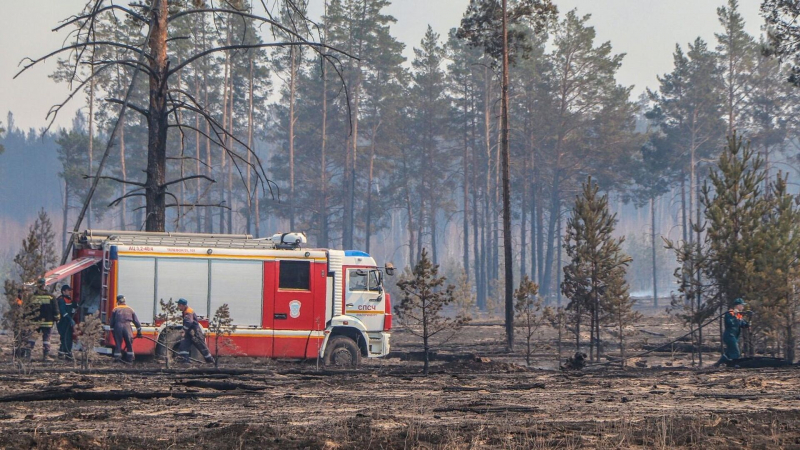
<point x="285" y="300"/>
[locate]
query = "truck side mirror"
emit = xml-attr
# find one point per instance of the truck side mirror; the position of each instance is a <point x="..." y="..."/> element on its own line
<point x="389" y="269"/>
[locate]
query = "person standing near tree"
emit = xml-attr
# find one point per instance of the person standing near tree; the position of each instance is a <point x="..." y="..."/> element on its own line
<point x="66" y="325"/>
<point x="192" y="334"/>
<point x="121" y="318"/>
<point x="46" y="317"/>
<point x="734" y="322"/>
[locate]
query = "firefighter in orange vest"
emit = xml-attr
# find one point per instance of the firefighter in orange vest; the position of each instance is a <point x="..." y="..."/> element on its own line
<point x="192" y="334"/>
<point x="121" y="318"/>
<point x="66" y="325"/>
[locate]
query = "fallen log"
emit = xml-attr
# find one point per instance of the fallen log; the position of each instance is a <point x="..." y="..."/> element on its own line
<point x="651" y="333"/>
<point x="680" y="347"/>
<point x="463" y="389"/>
<point x="432" y="356"/>
<point x="488" y="409"/>
<point x="757" y="362"/>
<point x="222" y="385"/>
<point x="43" y="396"/>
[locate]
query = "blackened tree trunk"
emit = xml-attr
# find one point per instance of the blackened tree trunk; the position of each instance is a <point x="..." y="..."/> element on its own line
<point x="653" y="242"/>
<point x="509" y="272"/>
<point x="157" y="122"/>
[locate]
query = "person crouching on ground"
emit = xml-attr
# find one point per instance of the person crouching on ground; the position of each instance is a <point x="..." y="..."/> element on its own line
<point x="66" y="325"/>
<point x="192" y="334"/>
<point x="734" y="322"/>
<point x="121" y="318"/>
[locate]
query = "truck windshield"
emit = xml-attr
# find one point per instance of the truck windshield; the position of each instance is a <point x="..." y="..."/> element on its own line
<point x="362" y="280"/>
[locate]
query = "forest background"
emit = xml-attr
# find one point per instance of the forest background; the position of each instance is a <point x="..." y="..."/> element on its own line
<point x="408" y="157"/>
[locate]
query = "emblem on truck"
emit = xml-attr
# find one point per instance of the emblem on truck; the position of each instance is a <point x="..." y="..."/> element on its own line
<point x="294" y="309"/>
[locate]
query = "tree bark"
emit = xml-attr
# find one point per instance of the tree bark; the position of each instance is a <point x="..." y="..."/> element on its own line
<point x="509" y="268"/>
<point x="124" y="173"/>
<point x="653" y="242"/>
<point x="250" y="191"/>
<point x="465" y="192"/>
<point x="292" y="94"/>
<point x="323" y="210"/>
<point x="91" y="142"/>
<point x="157" y="121"/>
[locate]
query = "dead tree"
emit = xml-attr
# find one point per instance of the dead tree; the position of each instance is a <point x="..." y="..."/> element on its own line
<point x="164" y="103"/>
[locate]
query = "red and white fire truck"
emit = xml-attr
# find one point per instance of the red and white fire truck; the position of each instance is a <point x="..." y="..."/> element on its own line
<point x="287" y="301"/>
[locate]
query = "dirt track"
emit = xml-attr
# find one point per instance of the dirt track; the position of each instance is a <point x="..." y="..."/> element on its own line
<point x="491" y="402"/>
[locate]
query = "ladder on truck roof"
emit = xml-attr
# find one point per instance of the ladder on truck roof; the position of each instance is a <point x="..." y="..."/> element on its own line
<point x="96" y="239"/>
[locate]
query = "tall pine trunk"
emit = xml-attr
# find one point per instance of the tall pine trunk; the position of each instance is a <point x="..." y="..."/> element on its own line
<point x="250" y="107"/>
<point x="292" y="95"/>
<point x="323" y="209"/>
<point x="155" y="219"/>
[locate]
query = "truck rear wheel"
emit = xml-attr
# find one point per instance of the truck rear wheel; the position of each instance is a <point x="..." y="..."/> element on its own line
<point x="342" y="352"/>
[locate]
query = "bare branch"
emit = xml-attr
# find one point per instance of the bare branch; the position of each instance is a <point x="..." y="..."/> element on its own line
<point x="136" y="108"/>
<point x="130" y="194"/>
<point x="192" y="158"/>
<point x="73" y="19"/>
<point x="33" y="62"/>
<point x="192" y="177"/>
<point x="193" y="205"/>
<point x="248" y="46"/>
<point x="118" y="180"/>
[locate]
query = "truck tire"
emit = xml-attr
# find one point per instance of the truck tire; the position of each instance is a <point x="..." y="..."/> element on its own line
<point x="342" y="352"/>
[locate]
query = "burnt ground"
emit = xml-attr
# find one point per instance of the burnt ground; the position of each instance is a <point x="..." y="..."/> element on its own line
<point x="476" y="396"/>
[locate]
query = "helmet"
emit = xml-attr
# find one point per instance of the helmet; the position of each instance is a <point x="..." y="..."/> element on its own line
<point x="739" y="301"/>
<point x="65" y="288"/>
<point x="120" y="297"/>
<point x="182" y="301"/>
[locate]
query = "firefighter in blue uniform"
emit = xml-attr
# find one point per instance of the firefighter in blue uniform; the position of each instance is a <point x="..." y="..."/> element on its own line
<point x="192" y="334"/>
<point x="66" y="324"/>
<point x="734" y="322"/>
<point x="121" y="318"/>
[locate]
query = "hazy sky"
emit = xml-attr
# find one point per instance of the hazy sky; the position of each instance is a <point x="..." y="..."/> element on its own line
<point x="646" y="30"/>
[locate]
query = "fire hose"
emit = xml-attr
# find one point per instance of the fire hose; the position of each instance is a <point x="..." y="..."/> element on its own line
<point x="171" y="350"/>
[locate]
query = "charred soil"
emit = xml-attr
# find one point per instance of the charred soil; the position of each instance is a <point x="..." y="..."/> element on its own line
<point x="477" y="397"/>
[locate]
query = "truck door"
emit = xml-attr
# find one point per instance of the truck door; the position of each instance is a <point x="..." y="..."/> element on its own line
<point x="293" y="313"/>
<point x="364" y="297"/>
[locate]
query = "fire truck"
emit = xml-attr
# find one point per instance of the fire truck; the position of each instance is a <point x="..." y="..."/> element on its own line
<point x="285" y="300"/>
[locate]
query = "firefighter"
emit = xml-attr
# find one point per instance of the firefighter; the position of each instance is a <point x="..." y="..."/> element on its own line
<point x="192" y="334"/>
<point x="46" y="316"/>
<point x="121" y="318"/>
<point x="734" y="322"/>
<point x="66" y="325"/>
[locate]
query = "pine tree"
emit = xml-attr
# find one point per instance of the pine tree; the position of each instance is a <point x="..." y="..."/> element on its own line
<point x="618" y="307"/>
<point x="737" y="52"/>
<point x="221" y="325"/>
<point x="776" y="301"/>
<point x="596" y="262"/>
<point x="421" y="309"/>
<point x="784" y="36"/>
<point x="528" y="313"/>
<point x="37" y="256"/>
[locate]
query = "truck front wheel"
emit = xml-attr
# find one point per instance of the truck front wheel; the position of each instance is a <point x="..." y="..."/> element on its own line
<point x="342" y="352"/>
